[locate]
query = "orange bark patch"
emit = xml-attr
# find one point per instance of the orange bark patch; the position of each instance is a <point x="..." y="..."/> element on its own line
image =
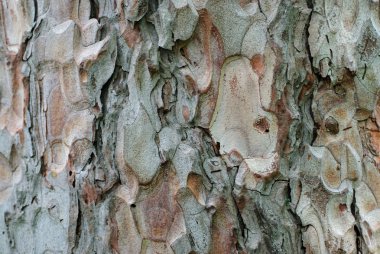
<point x="332" y="176"/>
<point x="258" y="64"/>
<point x="352" y="175"/>
<point x="341" y="112"/>
<point x="369" y="206"/>
<point x="83" y="75"/>
<point x="194" y="183"/>
<point x="201" y="46"/>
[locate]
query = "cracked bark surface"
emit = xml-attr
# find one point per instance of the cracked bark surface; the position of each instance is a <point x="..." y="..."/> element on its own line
<point x="189" y="126"/>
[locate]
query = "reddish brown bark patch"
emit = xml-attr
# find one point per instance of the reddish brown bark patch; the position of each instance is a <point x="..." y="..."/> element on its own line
<point x="56" y="113"/>
<point x="186" y="113"/>
<point x="114" y="238"/>
<point x="342" y="207"/>
<point x="131" y="35"/>
<point x="158" y="209"/>
<point x="262" y="125"/>
<point x="223" y="237"/>
<point x="307" y="88"/>
<point x="89" y="193"/>
<point x="284" y="120"/>
<point x="375" y="146"/>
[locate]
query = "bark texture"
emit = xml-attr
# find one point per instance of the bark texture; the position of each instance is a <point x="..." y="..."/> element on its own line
<point x="189" y="126"/>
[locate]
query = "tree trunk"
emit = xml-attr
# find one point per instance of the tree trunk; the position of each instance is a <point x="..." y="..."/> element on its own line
<point x="189" y="126"/>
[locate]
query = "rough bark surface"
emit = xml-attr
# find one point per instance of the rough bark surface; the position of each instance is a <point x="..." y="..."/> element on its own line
<point x="189" y="126"/>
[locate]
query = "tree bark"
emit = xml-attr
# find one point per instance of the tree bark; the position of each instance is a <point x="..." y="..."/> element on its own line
<point x="189" y="126"/>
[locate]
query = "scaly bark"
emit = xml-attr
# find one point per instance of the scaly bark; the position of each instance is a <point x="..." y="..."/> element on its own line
<point x="189" y="126"/>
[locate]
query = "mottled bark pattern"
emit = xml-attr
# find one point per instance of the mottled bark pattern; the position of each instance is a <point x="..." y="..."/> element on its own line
<point x="189" y="126"/>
